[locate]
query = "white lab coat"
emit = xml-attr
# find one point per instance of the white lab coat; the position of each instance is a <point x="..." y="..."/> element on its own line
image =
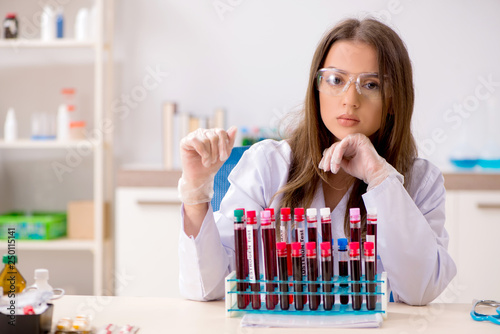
<point x="412" y="240"/>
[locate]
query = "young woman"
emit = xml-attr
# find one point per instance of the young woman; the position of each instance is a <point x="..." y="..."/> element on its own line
<point x="353" y="147"/>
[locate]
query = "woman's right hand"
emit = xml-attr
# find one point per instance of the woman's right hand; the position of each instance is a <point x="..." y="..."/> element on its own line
<point x="203" y="152"/>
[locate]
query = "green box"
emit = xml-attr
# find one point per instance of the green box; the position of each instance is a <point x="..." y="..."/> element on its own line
<point x="36" y="226"/>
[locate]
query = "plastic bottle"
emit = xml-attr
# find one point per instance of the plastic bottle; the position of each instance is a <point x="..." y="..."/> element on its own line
<point x="10" y="271"/>
<point x="60" y="23"/>
<point x="62" y="123"/>
<point x="82" y="25"/>
<point x="10" y="127"/>
<point x="42" y="280"/>
<point x="10" y="26"/>
<point x="47" y="24"/>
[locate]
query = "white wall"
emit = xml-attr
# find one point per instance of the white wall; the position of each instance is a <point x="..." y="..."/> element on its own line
<point x="253" y="60"/>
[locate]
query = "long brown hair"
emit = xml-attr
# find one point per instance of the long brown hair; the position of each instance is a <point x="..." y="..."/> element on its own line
<point x="393" y="141"/>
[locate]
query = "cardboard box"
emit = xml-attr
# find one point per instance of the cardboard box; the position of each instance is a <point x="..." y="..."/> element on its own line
<point x="81" y="220"/>
<point x="35" y="324"/>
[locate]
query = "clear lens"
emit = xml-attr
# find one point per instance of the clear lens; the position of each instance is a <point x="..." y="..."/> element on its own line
<point x="334" y="82"/>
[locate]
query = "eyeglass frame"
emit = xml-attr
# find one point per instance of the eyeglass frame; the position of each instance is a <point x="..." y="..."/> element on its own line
<point x="357" y="83"/>
<point x="484" y="317"/>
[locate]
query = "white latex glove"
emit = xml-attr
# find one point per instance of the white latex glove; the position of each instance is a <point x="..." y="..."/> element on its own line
<point x="356" y="155"/>
<point x="203" y="152"/>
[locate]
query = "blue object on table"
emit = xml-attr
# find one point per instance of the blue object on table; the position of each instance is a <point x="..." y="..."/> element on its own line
<point x="485" y="317"/>
<point x="221" y="184"/>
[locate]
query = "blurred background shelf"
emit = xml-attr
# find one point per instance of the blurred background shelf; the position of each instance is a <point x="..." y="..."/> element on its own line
<point x="34" y="144"/>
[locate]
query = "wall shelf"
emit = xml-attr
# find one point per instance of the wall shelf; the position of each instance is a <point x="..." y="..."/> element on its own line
<point x="58" y="244"/>
<point x="43" y="144"/>
<point x="39" y="44"/>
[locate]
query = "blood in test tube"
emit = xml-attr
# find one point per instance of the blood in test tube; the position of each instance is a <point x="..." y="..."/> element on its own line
<point x="269" y="247"/>
<point x="297" y="275"/>
<point x="246" y="284"/>
<point x="355" y="274"/>
<point x="240" y="245"/>
<point x="253" y="257"/>
<point x="283" y="275"/>
<point x="343" y="268"/>
<point x="312" y="225"/>
<point x="327" y="273"/>
<point x="300" y="233"/>
<point x="312" y="275"/>
<point x="355" y="225"/>
<point x="371" y="300"/>
<point x="326" y="225"/>
<point x="371" y="230"/>
<point x="274" y="259"/>
<point x="285" y="230"/>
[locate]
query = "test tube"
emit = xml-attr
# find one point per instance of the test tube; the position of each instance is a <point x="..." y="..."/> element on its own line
<point x="371" y="300"/>
<point x="312" y="222"/>
<point x="240" y="245"/>
<point x="355" y="274"/>
<point x="371" y="230"/>
<point x="343" y="268"/>
<point x="312" y="275"/>
<point x="275" y="265"/>
<point x="297" y="275"/>
<point x="283" y="274"/>
<point x="327" y="271"/>
<point x="300" y="235"/>
<point x="355" y="223"/>
<point x="269" y="246"/>
<point x="326" y="225"/>
<point x="253" y="257"/>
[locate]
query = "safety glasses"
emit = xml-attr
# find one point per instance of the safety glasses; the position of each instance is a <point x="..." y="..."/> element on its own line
<point x="494" y="318"/>
<point x="335" y="82"/>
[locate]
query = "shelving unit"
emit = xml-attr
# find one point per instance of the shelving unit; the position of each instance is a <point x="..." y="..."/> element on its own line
<point x="98" y="249"/>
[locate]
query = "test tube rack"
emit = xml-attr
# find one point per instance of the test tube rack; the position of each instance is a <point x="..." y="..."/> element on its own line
<point x="232" y="293"/>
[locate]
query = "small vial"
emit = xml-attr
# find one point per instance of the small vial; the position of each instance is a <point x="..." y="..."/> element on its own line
<point x="10" y="271"/>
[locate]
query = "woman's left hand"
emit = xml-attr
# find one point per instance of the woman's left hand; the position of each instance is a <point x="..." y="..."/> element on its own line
<point x="356" y="155"/>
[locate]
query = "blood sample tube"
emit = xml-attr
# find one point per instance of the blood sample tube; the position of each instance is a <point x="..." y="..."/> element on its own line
<point x="297" y="275"/>
<point x="269" y="246"/>
<point x="240" y="245"/>
<point x="300" y="233"/>
<point x="355" y="225"/>
<point x="253" y="257"/>
<point x="283" y="275"/>
<point x="371" y="230"/>
<point x="355" y="274"/>
<point x="246" y="285"/>
<point x="343" y="268"/>
<point x="326" y="225"/>
<point x="274" y="259"/>
<point x="312" y="275"/>
<point x="285" y="230"/>
<point x="312" y="222"/>
<point x="371" y="300"/>
<point x="327" y="271"/>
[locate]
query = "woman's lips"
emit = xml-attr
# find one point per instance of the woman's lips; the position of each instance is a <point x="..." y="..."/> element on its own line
<point x="347" y="121"/>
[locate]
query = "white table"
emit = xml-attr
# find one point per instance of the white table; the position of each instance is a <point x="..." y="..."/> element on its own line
<point x="172" y="315"/>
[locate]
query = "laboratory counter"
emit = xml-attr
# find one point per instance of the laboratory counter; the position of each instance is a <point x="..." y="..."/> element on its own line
<point x="169" y="178"/>
<point x="175" y="315"/>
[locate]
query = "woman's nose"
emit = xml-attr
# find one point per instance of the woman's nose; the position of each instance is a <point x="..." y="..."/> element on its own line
<point x="351" y="96"/>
